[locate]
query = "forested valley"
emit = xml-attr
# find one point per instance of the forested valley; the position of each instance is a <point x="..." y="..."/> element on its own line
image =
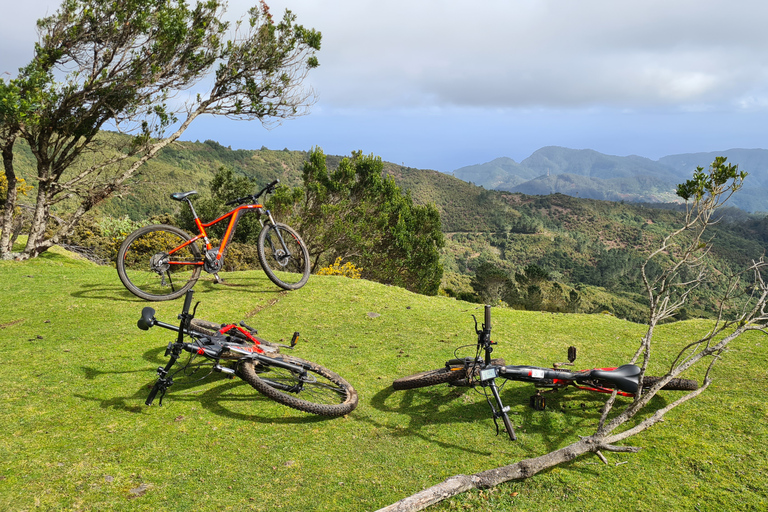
<point x="551" y="253"/>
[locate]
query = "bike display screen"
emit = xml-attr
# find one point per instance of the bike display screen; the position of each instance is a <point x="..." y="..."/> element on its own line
<point x="487" y="374"/>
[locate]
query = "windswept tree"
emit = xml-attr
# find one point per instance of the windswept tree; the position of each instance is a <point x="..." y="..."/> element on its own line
<point x="670" y="273"/>
<point x="356" y="213"/>
<point x="147" y="68"/>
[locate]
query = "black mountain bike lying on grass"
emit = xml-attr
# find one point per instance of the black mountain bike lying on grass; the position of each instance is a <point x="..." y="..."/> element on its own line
<point x="237" y="350"/>
<point x="162" y="262"/>
<point x="483" y="371"/>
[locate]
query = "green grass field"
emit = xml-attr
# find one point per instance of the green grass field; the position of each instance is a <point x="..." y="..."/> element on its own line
<point x="75" y="372"/>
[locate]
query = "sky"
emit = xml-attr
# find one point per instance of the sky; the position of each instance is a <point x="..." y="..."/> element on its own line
<point x="442" y="84"/>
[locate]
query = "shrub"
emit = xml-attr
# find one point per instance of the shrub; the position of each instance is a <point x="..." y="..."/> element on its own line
<point x="337" y="269"/>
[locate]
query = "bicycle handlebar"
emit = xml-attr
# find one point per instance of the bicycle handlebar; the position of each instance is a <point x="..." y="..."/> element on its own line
<point x="252" y="198"/>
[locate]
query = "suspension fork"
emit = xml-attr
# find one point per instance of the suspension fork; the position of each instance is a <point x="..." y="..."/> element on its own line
<point x="279" y="235"/>
<point x="488" y="380"/>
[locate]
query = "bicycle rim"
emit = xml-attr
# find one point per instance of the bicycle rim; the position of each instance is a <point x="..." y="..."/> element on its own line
<point x="287" y="269"/>
<point x="147" y="268"/>
<point x="320" y="391"/>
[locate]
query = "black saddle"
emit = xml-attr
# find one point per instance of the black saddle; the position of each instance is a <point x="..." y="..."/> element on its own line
<point x="180" y="196"/>
<point x="625" y="377"/>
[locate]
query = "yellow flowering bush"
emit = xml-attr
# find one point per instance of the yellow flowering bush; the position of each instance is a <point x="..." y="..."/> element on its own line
<point x="337" y="269"/>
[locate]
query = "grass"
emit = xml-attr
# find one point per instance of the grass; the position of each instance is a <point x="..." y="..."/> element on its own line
<point x="77" y="436"/>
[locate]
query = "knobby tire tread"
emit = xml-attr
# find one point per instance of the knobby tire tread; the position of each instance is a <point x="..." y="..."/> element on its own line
<point x="672" y="385"/>
<point x="453" y="373"/>
<point x="430" y="378"/>
<point x="345" y="400"/>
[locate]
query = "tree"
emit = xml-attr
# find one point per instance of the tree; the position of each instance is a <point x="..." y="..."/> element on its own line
<point x="491" y="283"/>
<point x="682" y="252"/>
<point x="356" y="213"/>
<point x="125" y="63"/>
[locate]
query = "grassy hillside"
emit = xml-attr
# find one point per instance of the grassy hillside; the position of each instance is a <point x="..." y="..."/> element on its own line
<point x="77" y="436"/>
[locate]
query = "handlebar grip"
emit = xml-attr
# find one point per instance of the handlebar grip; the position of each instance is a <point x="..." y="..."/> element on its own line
<point x="273" y="183"/>
<point x="153" y="393"/>
<point x="508" y="426"/>
<point x="487" y="325"/>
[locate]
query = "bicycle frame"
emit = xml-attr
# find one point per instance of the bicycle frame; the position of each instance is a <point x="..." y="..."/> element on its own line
<point x="215" y="260"/>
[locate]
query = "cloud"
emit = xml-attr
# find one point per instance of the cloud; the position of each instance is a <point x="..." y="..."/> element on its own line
<point x="513" y="53"/>
<point x="447" y="83"/>
<point x="518" y="53"/>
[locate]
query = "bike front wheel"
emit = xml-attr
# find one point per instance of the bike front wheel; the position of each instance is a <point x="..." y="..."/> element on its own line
<point x="316" y="389"/>
<point x="283" y="256"/>
<point x="454" y="372"/>
<point x="431" y="378"/>
<point x="151" y="264"/>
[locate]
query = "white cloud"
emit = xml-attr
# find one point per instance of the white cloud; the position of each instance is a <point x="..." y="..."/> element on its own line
<point x="512" y="53"/>
<point x="423" y="81"/>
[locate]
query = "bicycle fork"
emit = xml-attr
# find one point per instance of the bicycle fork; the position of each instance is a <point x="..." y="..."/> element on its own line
<point x="488" y="380"/>
<point x="286" y="253"/>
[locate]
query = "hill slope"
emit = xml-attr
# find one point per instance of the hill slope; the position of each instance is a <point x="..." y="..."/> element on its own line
<point x="579" y="241"/>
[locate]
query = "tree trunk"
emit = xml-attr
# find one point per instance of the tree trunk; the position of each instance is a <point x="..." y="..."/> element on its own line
<point x="492" y="477"/>
<point x="6" y="238"/>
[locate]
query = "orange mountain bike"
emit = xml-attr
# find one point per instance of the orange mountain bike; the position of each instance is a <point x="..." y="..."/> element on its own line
<point x="162" y="262"/>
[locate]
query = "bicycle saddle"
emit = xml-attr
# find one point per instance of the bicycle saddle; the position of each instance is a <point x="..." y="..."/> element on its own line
<point x="625" y="377"/>
<point x="180" y="196"/>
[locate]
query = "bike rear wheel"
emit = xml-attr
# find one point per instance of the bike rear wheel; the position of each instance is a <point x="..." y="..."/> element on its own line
<point x="320" y="391"/>
<point x="150" y="267"/>
<point x="285" y="265"/>
<point x="672" y="385"/>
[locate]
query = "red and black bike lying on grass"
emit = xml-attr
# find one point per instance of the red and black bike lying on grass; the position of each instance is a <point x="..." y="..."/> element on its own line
<point x="237" y="350"/>
<point x="483" y="371"/>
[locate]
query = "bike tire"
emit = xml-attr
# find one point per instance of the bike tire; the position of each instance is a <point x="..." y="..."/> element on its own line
<point x="672" y="385"/>
<point x="324" y="394"/>
<point x="149" y="272"/>
<point x="430" y="378"/>
<point x="287" y="272"/>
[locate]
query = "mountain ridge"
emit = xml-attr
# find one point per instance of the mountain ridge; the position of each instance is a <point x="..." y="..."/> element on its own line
<point x="587" y="173"/>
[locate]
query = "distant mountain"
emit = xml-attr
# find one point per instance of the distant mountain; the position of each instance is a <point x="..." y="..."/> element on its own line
<point x="589" y="174"/>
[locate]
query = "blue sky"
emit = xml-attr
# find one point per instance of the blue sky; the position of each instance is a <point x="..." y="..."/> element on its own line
<point x="444" y="84"/>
